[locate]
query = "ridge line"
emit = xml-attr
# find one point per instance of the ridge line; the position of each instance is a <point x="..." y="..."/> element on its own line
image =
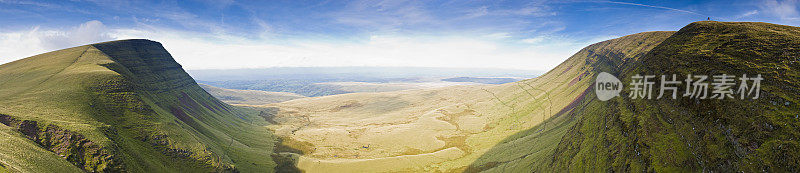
<point x="65" y="68"/>
<point x="54" y="74"/>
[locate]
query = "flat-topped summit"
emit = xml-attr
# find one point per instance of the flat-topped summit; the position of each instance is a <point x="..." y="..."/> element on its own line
<point x="129" y="107"/>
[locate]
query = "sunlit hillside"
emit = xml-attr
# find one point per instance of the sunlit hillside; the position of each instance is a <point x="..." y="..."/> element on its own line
<point x="121" y="106"/>
<point x="690" y="135"/>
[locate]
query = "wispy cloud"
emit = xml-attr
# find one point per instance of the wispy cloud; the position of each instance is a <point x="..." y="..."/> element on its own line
<point x="166" y="13"/>
<point x="513" y="34"/>
<point x="204" y="50"/>
<point x="746" y="14"/>
<point x="20" y="44"/>
<point x="46" y="5"/>
<point x="478" y="12"/>
<point x="534" y="10"/>
<point x="455" y="50"/>
<point x="385" y="15"/>
<point x="651" y="6"/>
<point x="785" y="10"/>
<point x="34" y="3"/>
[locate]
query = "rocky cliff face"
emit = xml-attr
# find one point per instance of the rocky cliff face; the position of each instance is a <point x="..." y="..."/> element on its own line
<point x="70" y="145"/>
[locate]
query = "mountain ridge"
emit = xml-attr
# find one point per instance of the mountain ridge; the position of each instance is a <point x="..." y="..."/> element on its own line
<point x="630" y="135"/>
<point x="131" y="97"/>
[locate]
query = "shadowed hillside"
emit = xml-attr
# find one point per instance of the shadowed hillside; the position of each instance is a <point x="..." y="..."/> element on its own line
<point x="532" y="149"/>
<point x="635" y="135"/>
<point x="122" y="106"/>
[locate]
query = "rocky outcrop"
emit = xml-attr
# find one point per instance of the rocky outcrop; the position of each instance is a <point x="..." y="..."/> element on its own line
<point x="72" y="146"/>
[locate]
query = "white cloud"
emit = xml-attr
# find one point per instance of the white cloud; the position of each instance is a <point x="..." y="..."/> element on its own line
<point x="498" y="35"/>
<point x="16" y="45"/>
<point x="89" y="32"/>
<point x="378" y="50"/>
<point x="533" y="40"/>
<point x="221" y="51"/>
<point x="20" y="44"/>
<point x="482" y="11"/>
<point x="383" y="15"/>
<point x="786" y="10"/>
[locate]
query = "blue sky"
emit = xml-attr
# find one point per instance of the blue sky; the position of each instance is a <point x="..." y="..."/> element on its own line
<point x="208" y="34"/>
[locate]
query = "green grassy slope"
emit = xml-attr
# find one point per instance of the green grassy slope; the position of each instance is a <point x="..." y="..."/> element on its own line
<point x="21" y="155"/>
<point x="684" y="134"/>
<point x="127" y="105"/>
<point x="532" y="149"/>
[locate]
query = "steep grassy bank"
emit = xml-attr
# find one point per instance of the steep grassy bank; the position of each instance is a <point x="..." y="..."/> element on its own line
<point x="685" y="134"/>
<point x="532" y="149"/>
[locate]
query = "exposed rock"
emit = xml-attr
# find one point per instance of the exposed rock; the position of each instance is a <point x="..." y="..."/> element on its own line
<point x="72" y="146"/>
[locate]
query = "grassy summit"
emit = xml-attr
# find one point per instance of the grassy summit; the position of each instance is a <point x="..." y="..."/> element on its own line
<point x="634" y="135"/>
<point x="122" y="105"/>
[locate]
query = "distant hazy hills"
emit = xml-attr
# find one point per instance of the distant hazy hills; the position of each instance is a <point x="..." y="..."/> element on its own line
<point x="354" y="74"/>
<point x="322" y="81"/>
<point x="485" y="80"/>
<point x="248" y="97"/>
